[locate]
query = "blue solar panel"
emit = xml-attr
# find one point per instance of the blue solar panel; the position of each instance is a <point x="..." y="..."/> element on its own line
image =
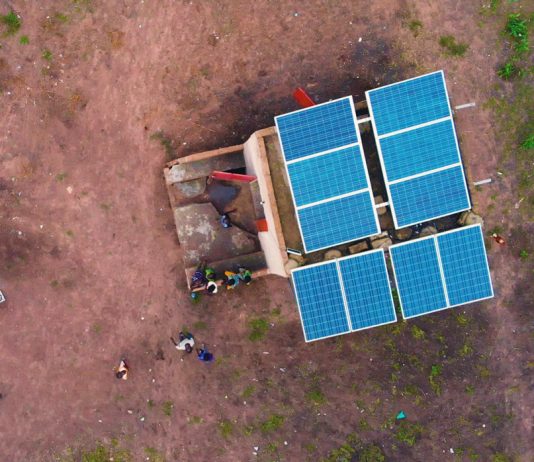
<point x="320" y="301"/>
<point x="367" y="290"/>
<point x="418" y="277"/>
<point x="317" y="129"/>
<point x="338" y="221"/>
<point x="328" y="175"/>
<point x="426" y="148"/>
<point x="409" y="103"/>
<point x="429" y="196"/>
<point x="464" y="261"/>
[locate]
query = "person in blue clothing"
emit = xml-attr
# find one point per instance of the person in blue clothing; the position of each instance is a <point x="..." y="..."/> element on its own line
<point x="204" y="355"/>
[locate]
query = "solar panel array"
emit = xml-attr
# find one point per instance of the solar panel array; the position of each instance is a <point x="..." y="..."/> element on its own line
<point x="418" y="149"/>
<point x="327" y="174"/>
<point x="441" y="271"/>
<point x="344" y="295"/>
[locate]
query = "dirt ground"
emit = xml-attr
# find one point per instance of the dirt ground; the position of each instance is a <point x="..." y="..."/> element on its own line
<point x="90" y="264"/>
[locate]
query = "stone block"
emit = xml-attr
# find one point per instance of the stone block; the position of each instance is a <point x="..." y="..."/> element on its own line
<point x="360" y="247"/>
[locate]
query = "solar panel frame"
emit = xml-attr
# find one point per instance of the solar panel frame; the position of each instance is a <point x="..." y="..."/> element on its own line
<point x="307" y="249"/>
<point x="407" y="129"/>
<point x="435" y="238"/>
<point x="392" y="305"/>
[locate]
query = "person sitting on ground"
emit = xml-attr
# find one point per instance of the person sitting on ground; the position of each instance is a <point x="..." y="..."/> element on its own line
<point x="232" y="280"/>
<point x="122" y="371"/>
<point x="245" y="275"/>
<point x="185" y="342"/>
<point x="210" y="274"/>
<point x="211" y="287"/>
<point x="199" y="279"/>
<point x="204" y="355"/>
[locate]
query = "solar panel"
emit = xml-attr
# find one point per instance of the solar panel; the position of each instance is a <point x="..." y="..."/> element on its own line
<point x="431" y="196"/>
<point x="320" y="301"/>
<point x="465" y="265"/>
<point x="327" y="174"/>
<point x="418" y="149"/>
<point x="367" y="290"/>
<point x="441" y="271"/>
<point x="317" y="129"/>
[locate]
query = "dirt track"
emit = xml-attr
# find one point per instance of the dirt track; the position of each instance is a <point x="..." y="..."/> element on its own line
<point x="90" y="262"/>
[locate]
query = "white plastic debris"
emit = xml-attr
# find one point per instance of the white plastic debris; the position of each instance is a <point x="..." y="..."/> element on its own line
<point x="451" y="450"/>
<point x="129" y="411"/>
<point x="359" y="40"/>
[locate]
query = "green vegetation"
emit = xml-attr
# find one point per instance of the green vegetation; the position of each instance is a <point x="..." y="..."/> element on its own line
<point x="408" y="433"/>
<point x="466" y="350"/>
<point x="167" y="408"/>
<point x="453" y="48"/>
<point x="200" y="325"/>
<point x="470" y="389"/>
<point x="491" y="8"/>
<point x="47" y="55"/>
<point x="433" y="378"/>
<point x="60" y="17"/>
<point x="97" y="328"/>
<point x="528" y="143"/>
<point x="462" y="320"/>
<point x="248" y="391"/>
<point x="517" y="29"/>
<point x="226" y="428"/>
<point x="69" y="233"/>
<point x="418" y="333"/>
<point x="500" y="457"/>
<point x="150" y="403"/>
<point x="166" y="142"/>
<point x="24" y="40"/>
<point x="346" y="452"/>
<point x="61" y="176"/>
<point x="371" y="453"/>
<point x="316" y="397"/>
<point x="100" y="453"/>
<point x="195" y="420"/>
<point x="12" y="23"/>
<point x="259" y="327"/>
<point x="272" y="423"/>
<point x="509" y="71"/>
<point x="152" y="455"/>
<point x="415" y="26"/>
<point x="523" y="255"/>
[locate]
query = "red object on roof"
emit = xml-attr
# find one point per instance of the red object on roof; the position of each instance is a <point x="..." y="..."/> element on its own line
<point x="262" y="225"/>
<point x="232" y="176"/>
<point x="302" y="98"/>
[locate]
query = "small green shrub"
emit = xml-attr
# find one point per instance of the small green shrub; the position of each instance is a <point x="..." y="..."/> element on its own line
<point x="415" y="26"/>
<point x="523" y="254"/>
<point x="500" y="457"/>
<point x="418" y="333"/>
<point x="408" y="433"/>
<point x="517" y="29"/>
<point x="528" y="143"/>
<point x="24" y="40"/>
<point x="153" y="455"/>
<point x="509" y="71"/>
<point x="371" y="453"/>
<point x="167" y="408"/>
<point x="12" y="22"/>
<point x="433" y="378"/>
<point x="47" y="55"/>
<point x="226" y="428"/>
<point x="453" y="48"/>
<point x="248" y="391"/>
<point x="259" y="328"/>
<point x="466" y="350"/>
<point x="272" y="423"/>
<point x="316" y="397"/>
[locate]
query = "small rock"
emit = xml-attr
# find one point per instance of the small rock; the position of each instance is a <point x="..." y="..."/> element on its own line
<point x="428" y="231"/>
<point x="470" y="218"/>
<point x="332" y="254"/>
<point x="382" y="243"/>
<point x="403" y="234"/>
<point x="298" y="258"/>
<point x="290" y="265"/>
<point x="360" y="247"/>
<point x="129" y="411"/>
<point x="380" y="236"/>
<point x="69" y="189"/>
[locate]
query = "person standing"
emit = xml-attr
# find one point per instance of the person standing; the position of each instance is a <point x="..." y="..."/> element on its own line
<point x="185" y="342"/>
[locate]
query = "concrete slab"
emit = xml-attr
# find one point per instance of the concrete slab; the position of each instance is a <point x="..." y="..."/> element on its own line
<point x="203" y="168"/>
<point x="202" y="237"/>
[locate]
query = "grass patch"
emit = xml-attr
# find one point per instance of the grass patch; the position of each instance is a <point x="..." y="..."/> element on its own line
<point x="462" y="320"/>
<point x="166" y="142"/>
<point x="195" y="420"/>
<point x="153" y="455"/>
<point x="167" y="407"/>
<point x="105" y="206"/>
<point x="60" y="17"/>
<point x="248" y="391"/>
<point x="528" y="143"/>
<point x="259" y="327"/>
<point x="24" y="40"/>
<point x="408" y="433"/>
<point x="316" y="397"/>
<point x="509" y="71"/>
<point x="47" y="55"/>
<point x="226" y="428"/>
<point x="100" y="453"/>
<point x="418" y="333"/>
<point x="434" y="378"/>
<point x="523" y="255"/>
<point x="97" y="328"/>
<point x="272" y="423"/>
<point x="491" y="8"/>
<point x="61" y="176"/>
<point x="371" y="453"/>
<point x="12" y="23"/>
<point x="415" y="27"/>
<point x="466" y="350"/>
<point x="150" y="403"/>
<point x="500" y="457"/>
<point x="470" y="389"/>
<point x="453" y="48"/>
<point x="69" y="233"/>
<point x="517" y="30"/>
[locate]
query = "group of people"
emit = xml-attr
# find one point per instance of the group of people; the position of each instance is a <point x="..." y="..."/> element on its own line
<point x="186" y="342"/>
<point x="205" y="278"/>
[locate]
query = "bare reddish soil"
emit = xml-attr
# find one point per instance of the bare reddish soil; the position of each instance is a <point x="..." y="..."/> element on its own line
<point x="91" y="267"/>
